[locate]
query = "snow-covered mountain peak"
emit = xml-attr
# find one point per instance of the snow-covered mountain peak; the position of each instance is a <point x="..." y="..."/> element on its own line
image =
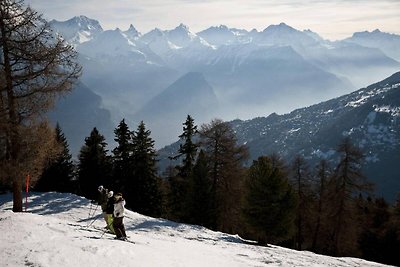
<point x="83" y="22"/>
<point x="78" y="29"/>
<point x="283" y="34"/>
<point x="181" y="36"/>
<point x="132" y="31"/>
<point x="152" y="35"/>
<point x="110" y="43"/>
<point x="281" y="27"/>
<point x="182" y="27"/>
<point x="220" y="35"/>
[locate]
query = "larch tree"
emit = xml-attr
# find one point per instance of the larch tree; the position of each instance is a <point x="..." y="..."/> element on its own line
<point x="59" y="171"/>
<point x="349" y="182"/>
<point x="301" y="181"/>
<point x="319" y="235"/>
<point x="226" y="158"/>
<point x="36" y="66"/>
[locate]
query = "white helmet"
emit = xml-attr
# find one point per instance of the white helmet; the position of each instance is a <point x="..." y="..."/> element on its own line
<point x="100" y="188"/>
<point x="110" y="194"/>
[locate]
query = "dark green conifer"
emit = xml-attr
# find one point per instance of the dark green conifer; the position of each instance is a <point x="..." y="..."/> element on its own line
<point x="122" y="158"/>
<point x="199" y="200"/>
<point x="94" y="165"/>
<point x="179" y="183"/>
<point x="144" y="193"/>
<point x="270" y="201"/>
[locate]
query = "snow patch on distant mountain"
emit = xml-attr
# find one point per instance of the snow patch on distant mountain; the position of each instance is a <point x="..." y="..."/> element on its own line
<point x="111" y="43"/>
<point x="222" y="35"/>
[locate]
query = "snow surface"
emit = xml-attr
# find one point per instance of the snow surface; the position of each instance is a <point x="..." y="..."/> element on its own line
<point x="56" y="231"/>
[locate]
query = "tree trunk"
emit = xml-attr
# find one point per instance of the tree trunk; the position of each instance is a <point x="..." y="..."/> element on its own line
<point x="12" y="122"/>
<point x="17" y="194"/>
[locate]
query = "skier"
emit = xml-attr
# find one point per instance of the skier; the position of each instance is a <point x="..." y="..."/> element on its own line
<point x="102" y="201"/>
<point x="118" y="224"/>
<point x="110" y="211"/>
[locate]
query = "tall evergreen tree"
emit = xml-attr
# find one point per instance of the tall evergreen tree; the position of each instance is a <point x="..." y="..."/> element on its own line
<point x="144" y="195"/>
<point x="188" y="149"/>
<point x="199" y="200"/>
<point x="122" y="159"/>
<point x="270" y="201"/>
<point x="59" y="172"/>
<point x="179" y="184"/>
<point x="226" y="159"/>
<point x="94" y="165"/>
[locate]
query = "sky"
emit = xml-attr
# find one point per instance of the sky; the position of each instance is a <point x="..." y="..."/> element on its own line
<point x="332" y="19"/>
<point x="65" y="230"/>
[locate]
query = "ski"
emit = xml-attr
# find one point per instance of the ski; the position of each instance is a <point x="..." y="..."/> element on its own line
<point x="125" y="240"/>
<point x="107" y="238"/>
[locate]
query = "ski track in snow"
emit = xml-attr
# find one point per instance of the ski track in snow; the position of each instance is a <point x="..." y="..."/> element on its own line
<point x="55" y="232"/>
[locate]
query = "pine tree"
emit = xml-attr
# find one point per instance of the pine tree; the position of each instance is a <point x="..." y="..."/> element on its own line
<point x="199" y="200"/>
<point x="188" y="149"/>
<point x="179" y="183"/>
<point x="144" y="194"/>
<point x="35" y="67"/>
<point x="94" y="165"/>
<point x="270" y="201"/>
<point x="122" y="159"/>
<point x="58" y="175"/>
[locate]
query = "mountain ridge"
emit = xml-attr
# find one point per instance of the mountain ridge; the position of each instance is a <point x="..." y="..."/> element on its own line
<point x="248" y="74"/>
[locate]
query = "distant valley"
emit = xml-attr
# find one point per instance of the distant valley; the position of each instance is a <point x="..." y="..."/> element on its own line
<point x="163" y="75"/>
<point x="369" y="116"/>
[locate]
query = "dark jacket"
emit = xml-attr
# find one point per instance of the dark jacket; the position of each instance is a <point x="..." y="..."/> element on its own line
<point x="110" y="205"/>
<point x="102" y="199"/>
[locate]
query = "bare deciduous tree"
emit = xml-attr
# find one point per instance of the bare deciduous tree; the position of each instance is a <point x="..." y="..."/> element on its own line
<point x="36" y="66"/>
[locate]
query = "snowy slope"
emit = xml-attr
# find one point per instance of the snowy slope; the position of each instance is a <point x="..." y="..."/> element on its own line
<point x="55" y="232"/>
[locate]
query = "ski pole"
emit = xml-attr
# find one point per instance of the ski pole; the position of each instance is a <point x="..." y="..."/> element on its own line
<point x="90" y="210"/>
<point x="105" y="230"/>
<point x="93" y="215"/>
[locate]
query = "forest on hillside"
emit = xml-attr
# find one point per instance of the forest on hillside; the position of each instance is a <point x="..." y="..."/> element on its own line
<point x="325" y="209"/>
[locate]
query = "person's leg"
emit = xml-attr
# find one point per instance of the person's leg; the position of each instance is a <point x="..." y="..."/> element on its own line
<point x="110" y="223"/>
<point x="117" y="227"/>
<point x="105" y="218"/>
<point x="123" y="228"/>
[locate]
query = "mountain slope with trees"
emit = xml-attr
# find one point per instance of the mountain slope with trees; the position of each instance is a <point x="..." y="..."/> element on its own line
<point x="369" y="116"/>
